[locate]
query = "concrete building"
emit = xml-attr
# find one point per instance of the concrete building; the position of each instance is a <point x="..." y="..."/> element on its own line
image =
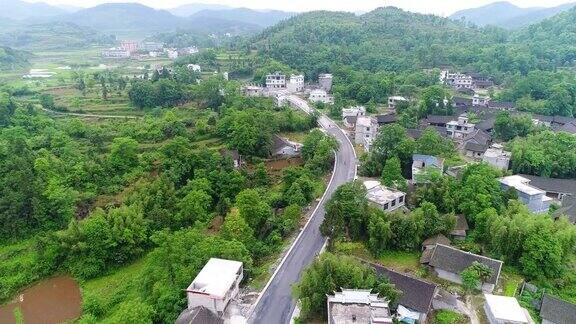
<point x="276" y="81"/>
<point x="557" y="311"/>
<point x="351" y="306"/>
<point x="325" y="81"/>
<point x="480" y="101"/>
<point x="460" y="229"/>
<point x="172" y="54"/>
<point x="458" y="129"/>
<point x="319" y="95"/>
<point x="497" y="157"/>
<point x="188" y="50"/>
<point x="423" y="163"/>
<point x="534" y="198"/>
<point x="296" y="83"/>
<point x="194" y="67"/>
<point x="115" y="53"/>
<point x="449" y="262"/>
<point x="394" y="100"/>
<point x="366" y="131"/>
<point x="354" y="111"/>
<point x="384" y="198"/>
<point x="505" y="310"/>
<point x="151" y="46"/>
<point x="130" y="46"/>
<point x="285" y="148"/>
<point x="475" y="144"/>
<point x="216" y="284"/>
<point x="252" y="90"/>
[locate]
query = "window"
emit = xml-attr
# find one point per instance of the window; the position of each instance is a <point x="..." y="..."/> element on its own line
<point x="393" y="203"/>
<point x="401" y="199"/>
<point x="386" y="206"/>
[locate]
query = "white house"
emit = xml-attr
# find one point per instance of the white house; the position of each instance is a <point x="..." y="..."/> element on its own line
<point x="319" y="95"/>
<point x="394" y="100"/>
<point x="276" y="81"/>
<point x="115" y="53"/>
<point x="505" y="310"/>
<point x="458" y="129"/>
<point x="354" y="112"/>
<point x="194" y="67"/>
<point x="296" y="83"/>
<point x="384" y="198"/>
<point x="216" y="284"/>
<point x="285" y="148"/>
<point x="172" y="54"/>
<point x="497" y="157"/>
<point x="422" y="163"/>
<point x="534" y="198"/>
<point x="325" y="81"/>
<point x="365" y="131"/>
<point x="357" y="306"/>
<point x="480" y="101"/>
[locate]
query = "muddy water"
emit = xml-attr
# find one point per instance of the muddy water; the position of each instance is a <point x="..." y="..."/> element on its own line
<point x="53" y="300"/>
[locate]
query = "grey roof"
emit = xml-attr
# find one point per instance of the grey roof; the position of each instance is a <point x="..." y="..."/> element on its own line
<point x="479" y="137"/>
<point x="565" y="186"/>
<point x="568" y="128"/>
<point x="438" y="119"/>
<point x="459" y="101"/>
<point x="502" y="105"/>
<point x="557" y="311"/>
<point x="198" y="315"/>
<point x="386" y="119"/>
<point x="486" y="124"/>
<point x="416" y="294"/>
<point x="351" y="119"/>
<point x="461" y="223"/>
<point x="453" y="260"/>
<point x="280" y="143"/>
<point x="475" y="147"/>
<point x="568" y="209"/>
<point x="436" y="239"/>
<point x="414" y="133"/>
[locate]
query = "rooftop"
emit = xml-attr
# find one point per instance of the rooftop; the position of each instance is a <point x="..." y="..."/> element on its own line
<point x="379" y="194"/>
<point x="436" y="239"/>
<point x="216" y="278"/>
<point x="365" y="121"/>
<point x="557" y="311"/>
<point x="567" y="186"/>
<point x="357" y="306"/>
<point x="453" y="260"/>
<point x="521" y="184"/>
<point x="506" y="309"/>
<point x="429" y="160"/>
<point x="496" y="151"/>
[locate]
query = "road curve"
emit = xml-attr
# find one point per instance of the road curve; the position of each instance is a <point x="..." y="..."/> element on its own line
<point x="275" y="305"/>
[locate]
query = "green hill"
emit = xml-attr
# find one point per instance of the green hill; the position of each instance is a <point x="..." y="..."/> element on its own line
<point x="11" y="59"/>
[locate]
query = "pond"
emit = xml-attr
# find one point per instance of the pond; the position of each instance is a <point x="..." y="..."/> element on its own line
<point x="53" y="300"/>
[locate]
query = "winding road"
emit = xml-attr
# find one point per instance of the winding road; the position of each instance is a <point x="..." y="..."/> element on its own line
<point x="275" y="304"/>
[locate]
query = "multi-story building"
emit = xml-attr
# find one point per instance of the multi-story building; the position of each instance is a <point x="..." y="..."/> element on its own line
<point x="497" y="157"/>
<point x="365" y="131"/>
<point x="357" y="306"/>
<point x="151" y="46"/>
<point x="319" y="95"/>
<point x="325" y="81"/>
<point x="394" y="100"/>
<point x="296" y="83"/>
<point x="480" y="101"/>
<point x="276" y="81"/>
<point x="216" y="284"/>
<point x="534" y="198"/>
<point x="115" y="53"/>
<point x="458" y="129"/>
<point x="130" y="46"/>
<point x="384" y="198"/>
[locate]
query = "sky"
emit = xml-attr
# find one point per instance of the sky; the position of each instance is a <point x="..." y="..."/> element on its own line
<point x="439" y="7"/>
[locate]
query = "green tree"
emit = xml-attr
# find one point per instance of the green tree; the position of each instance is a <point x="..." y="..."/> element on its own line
<point x="392" y="175"/>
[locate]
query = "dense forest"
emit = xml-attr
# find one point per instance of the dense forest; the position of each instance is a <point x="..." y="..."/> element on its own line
<point x="11" y="59"/>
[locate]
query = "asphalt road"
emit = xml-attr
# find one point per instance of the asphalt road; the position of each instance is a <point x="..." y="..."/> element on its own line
<point x="276" y="304"/>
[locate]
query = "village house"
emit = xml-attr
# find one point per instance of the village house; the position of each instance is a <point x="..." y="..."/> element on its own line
<point x="431" y="242"/>
<point x="296" y="83"/>
<point x="350" y="115"/>
<point x="449" y="262"/>
<point x="172" y="54"/>
<point x="130" y="46"/>
<point x="478" y="100"/>
<point x="462" y="103"/>
<point x="497" y="157"/>
<point x="480" y="81"/>
<point x="251" y="90"/>
<point x="325" y="81"/>
<point x="285" y="148"/>
<point x="394" y="100"/>
<point x="115" y="53"/>
<point x="357" y="306"/>
<point x="437" y="120"/>
<point x="460" y="228"/>
<point x="386" y="119"/>
<point x="556" y="311"/>
<point x="534" y="198"/>
<point x="216" y="285"/>
<point x="384" y="198"/>
<point x="319" y="95"/>
<point x="275" y="81"/>
<point x="194" y="67"/>
<point x="504" y="106"/>
<point x="423" y="163"/>
<point x="458" y="129"/>
<point x="151" y="46"/>
<point x="234" y="156"/>
<point x="562" y="191"/>
<point x="366" y="131"/>
<point x="415" y="304"/>
<point x="505" y="310"/>
<point x="475" y="144"/>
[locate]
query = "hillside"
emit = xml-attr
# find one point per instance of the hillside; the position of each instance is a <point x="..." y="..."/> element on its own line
<point x="21" y="10"/>
<point x="11" y="59"/>
<point x="244" y="15"/>
<point x="188" y="10"/>
<point x="507" y="15"/>
<point x="384" y="39"/>
<point x="59" y="35"/>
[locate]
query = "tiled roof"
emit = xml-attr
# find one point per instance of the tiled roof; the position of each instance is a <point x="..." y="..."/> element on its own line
<point x="567" y="186"/>
<point x="436" y="239"/>
<point x="453" y="260"/>
<point x="557" y="311"/>
<point x="386" y="119"/>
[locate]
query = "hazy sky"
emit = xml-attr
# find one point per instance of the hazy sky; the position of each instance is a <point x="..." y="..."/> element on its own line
<point x="440" y="7"/>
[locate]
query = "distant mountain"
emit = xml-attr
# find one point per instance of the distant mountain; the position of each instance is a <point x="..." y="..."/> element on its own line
<point x="188" y="10"/>
<point x="245" y="15"/>
<point x="21" y="10"/>
<point x="124" y="16"/>
<point x="507" y="15"/>
<point x="69" y="8"/>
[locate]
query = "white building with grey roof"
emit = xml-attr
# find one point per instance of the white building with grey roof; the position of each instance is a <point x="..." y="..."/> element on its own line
<point x="384" y="198"/>
<point x="351" y="306"/>
<point x="534" y="198"/>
